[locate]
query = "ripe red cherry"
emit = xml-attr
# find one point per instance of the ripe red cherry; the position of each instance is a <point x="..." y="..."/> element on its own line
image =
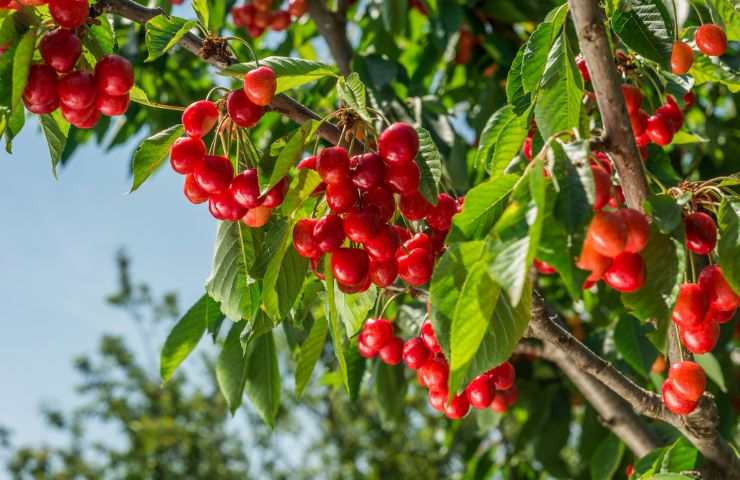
<point x="367" y="171"/>
<point x="420" y="240"/>
<point x="701" y="233"/>
<point x="382" y="198"/>
<point x="242" y="111"/>
<point x="224" y="207"/>
<point x="602" y="187"/>
<point x="544" y="268"/>
<point x="382" y="247"/>
<point x="333" y="165"/>
<point x="243" y="15"/>
<point x="642" y="142"/>
<point x="115" y="75"/>
<point x="688" y="380"/>
<point x="41" y="88"/>
<point x="304" y="241"/>
<point x="246" y="189"/>
<point x="275" y="196"/>
<point x="672" y="114"/>
<point x="458" y="407"/>
<point x="674" y="402"/>
<point x="365" y="351"/>
<point x="213" y="173"/>
<point x="504" y="399"/>
<point x="297" y="7"/>
<point x="607" y="234"/>
<point x="308" y="163"/>
<point x="711" y="40"/>
<point x="480" y="391"/>
<point x="691" y="306"/>
<point x="185" y="153"/>
<point x="682" y="57"/>
<point x="112" y="106"/>
<point x="193" y="192"/>
<point x="253" y="30"/>
<point x="438" y="238"/>
<point x="398" y="144"/>
<point x="503" y="376"/>
<point x="689" y="99"/>
<point x="435" y="373"/>
<point x="391" y="353"/>
<point x="701" y="339"/>
<point x="279" y="20"/>
<point x="199" y="118"/>
<point x="85" y="118"/>
<point x="361" y="287"/>
<point x="659" y="130"/>
<point x="403" y="178"/>
<point x="350" y="266"/>
<point x="583" y="68"/>
<point x="69" y="13"/>
<point x="416" y="267"/>
<point x="361" y="224"/>
<point x="440" y="215"/>
<point x="638" y="229"/>
<point x="329" y="233"/>
<point x="376" y="333"/>
<point x="415" y="353"/>
<point x="341" y="196"/>
<point x="720" y="316"/>
<point x="626" y="273"/>
<point x="383" y="274"/>
<point x="632" y="98"/>
<point x="257" y="217"/>
<point x="430" y="338"/>
<point x="260" y="85"/>
<point x="639" y="121"/>
<point x="77" y="90"/>
<point x="403" y="234"/>
<point x="593" y="261"/>
<point x="720" y="294"/>
<point x="60" y="49"/>
<point x="414" y="206"/>
<point x="438" y="399"/>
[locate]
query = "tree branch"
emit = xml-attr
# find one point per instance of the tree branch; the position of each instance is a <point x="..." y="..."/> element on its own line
<point x="333" y="27"/>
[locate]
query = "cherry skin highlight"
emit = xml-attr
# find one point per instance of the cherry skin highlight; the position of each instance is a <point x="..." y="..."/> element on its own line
<point x="275" y="196"/>
<point x="77" y="90"/>
<point x="701" y="233"/>
<point x="691" y="306"/>
<point x="430" y="338"/>
<point x="213" y="174"/>
<point x="607" y="234"/>
<point x="415" y="353"/>
<point x="199" y="118"/>
<point x="440" y="215"/>
<point x="503" y="376"/>
<point x="242" y="111"/>
<point x="414" y="206"/>
<point x="435" y="373"/>
<point x="376" y="333"/>
<point x="69" y="13"/>
<point x="626" y="273"/>
<point x="721" y="295"/>
<point x="333" y="165"/>
<point x="688" y="380"/>
<point x="185" y="153"/>
<point x="480" y="392"/>
<point x="711" y="40"/>
<point x="398" y="144"/>
<point x="367" y="171"/>
<point x="114" y="75"/>
<point x="246" y="189"/>
<point x="682" y="57"/>
<point x="60" y="49"/>
<point x="458" y="407"/>
<point x="701" y="339"/>
<point x="260" y="85"/>
<point x="675" y="402"/>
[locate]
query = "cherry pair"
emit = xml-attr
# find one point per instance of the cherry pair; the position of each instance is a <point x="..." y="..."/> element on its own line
<point x="377" y="339"/>
<point x="684" y="387"/>
<point x="710" y="39"/>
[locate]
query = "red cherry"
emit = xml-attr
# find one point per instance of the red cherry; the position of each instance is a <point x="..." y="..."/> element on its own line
<point x="84" y="118"/>
<point x="243" y="15"/>
<point x="253" y="30"/>
<point x="275" y="196"/>
<point x="642" y="142"/>
<point x="675" y="402"/>
<point x="527" y="148"/>
<point x="629" y="471"/>
<point x="688" y="380"/>
<point x="42" y="108"/>
<point x="438" y="238"/>
<point x="246" y="189"/>
<point x="639" y="122"/>
<point x="626" y="273"/>
<point x="682" y="57"/>
<point x="420" y="240"/>
<point x="480" y="392"/>
<point x="112" y="106"/>
<point x="361" y="224"/>
<point x="632" y="98"/>
<point x="504" y="399"/>
<point x="69" y="13"/>
<point x="185" y="153"/>
<point x="414" y="206"/>
<point x="601" y="159"/>
<point x="440" y="215"/>
<point x="41" y="88"/>
<point x="593" y="261"/>
<point x="365" y="351"/>
<point x="257" y="217"/>
<point x="544" y="268"/>
<point x="279" y="20"/>
<point x="60" y="49"/>
<point x="382" y="247"/>
<point x="242" y="111"/>
<point x="193" y="192"/>
<point x="617" y="200"/>
<point x="711" y="40"/>
<point x="701" y="339"/>
<point x="398" y="144"/>
<point x="689" y="99"/>
<point x="199" y="118"/>
<point x="261" y="19"/>
<point x="341" y="196"/>
<point x="391" y="353"/>
<point x="376" y="333"/>
<point x="383" y="274"/>
<point x="659" y="130"/>
<point x="416" y="267"/>
<point x="114" y="75"/>
<point x="720" y="316"/>
<point x="329" y="233"/>
<point x="403" y="178"/>
<point x="503" y="376"/>
<point x="701" y="233"/>
<point x="297" y="7"/>
<point x="403" y="234"/>
<point x="583" y="68"/>
<point x="304" y="241"/>
<point x="458" y="407"/>
<point x="430" y="338"/>
<point x="308" y="163"/>
<point x="224" y="204"/>
<point x="672" y="114"/>
<point x="602" y="187"/>
<point x="691" y="306"/>
<point x="720" y="294"/>
<point x="361" y="287"/>
<point x="607" y="234"/>
<point x="367" y="171"/>
<point x="77" y="90"/>
<point x="260" y="84"/>
<point x="438" y="398"/>
<point x="465" y="44"/>
<point x="638" y="229"/>
<point x="415" y="353"/>
<point x="435" y="373"/>
<point x="382" y="198"/>
<point x="333" y="165"/>
<point x="213" y="174"/>
<point x="350" y="266"/>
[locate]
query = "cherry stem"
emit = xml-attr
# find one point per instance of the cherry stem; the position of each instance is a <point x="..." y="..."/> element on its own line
<point x="214" y="90"/>
<point x="388" y="303"/>
<point x="675" y="20"/>
<point x="246" y="44"/>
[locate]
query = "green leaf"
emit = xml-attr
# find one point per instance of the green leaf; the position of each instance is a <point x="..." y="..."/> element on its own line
<point x="290" y="154"/>
<point x="561" y="249"/>
<point x="355" y="368"/>
<point x="633" y="345"/>
<point x="299" y="190"/>
<point x="284" y="275"/>
<point x="665" y="212"/>
<point x="394" y="14"/>
<point x="309" y="353"/>
<point x="484" y="204"/>
<point x="535" y="56"/>
<point x="430" y="166"/>
<point x="163" y="33"/>
<point x="572" y="173"/>
<point x="606" y="459"/>
<point x="337" y="335"/>
<point x="501" y="139"/>
<point x="290" y="72"/>
<point x="352" y="92"/>
<point x="713" y="369"/>
<point x="353" y="309"/>
<point x="55" y="129"/>
<point x="262" y="378"/>
<point x="203" y="11"/>
<point x="230" y="283"/>
<point x="516" y="96"/>
<point x="186" y="334"/>
<point x="390" y="392"/>
<point x="151" y="154"/>
<point x="679" y="457"/>
<point x="708" y="70"/>
<point x="646" y="28"/>
<point x="21" y="66"/>
<point x="729" y="16"/>
<point x="100" y="38"/>
<point x="231" y="367"/>
<point x="728" y="246"/>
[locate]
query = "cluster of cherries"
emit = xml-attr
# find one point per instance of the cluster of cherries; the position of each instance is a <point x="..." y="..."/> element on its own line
<point x="82" y="96"/>
<point x="256" y="17"/>
<point x="701" y="307"/>
<point x="710" y="40"/>
<point x="211" y="177"/>
<point x="359" y="192"/>
<point x="494" y="389"/>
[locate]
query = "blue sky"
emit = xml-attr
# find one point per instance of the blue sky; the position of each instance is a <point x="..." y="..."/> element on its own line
<point x="57" y="248"/>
